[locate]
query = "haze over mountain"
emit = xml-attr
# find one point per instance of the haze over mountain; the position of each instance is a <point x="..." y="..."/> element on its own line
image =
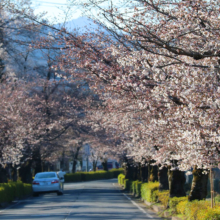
<point x="82" y="25"/>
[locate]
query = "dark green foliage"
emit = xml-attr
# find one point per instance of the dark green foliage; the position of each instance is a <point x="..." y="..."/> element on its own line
<point x="14" y="190"/>
<point x="87" y="176"/>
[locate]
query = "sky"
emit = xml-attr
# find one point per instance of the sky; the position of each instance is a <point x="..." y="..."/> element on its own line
<point x="54" y="8"/>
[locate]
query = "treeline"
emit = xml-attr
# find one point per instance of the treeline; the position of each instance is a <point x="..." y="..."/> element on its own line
<point x="173" y="180"/>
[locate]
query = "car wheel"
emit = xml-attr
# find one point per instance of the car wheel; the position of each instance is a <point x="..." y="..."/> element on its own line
<point x="35" y="194"/>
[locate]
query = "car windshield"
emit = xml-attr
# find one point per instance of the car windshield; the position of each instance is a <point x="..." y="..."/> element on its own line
<point x="45" y="175"/>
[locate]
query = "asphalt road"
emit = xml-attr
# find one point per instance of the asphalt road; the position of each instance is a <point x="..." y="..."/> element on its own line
<point x="95" y="200"/>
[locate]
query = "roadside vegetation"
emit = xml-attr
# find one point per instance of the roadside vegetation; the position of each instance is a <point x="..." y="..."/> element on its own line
<point x="176" y="206"/>
<point x="14" y="190"/>
<point x="88" y="176"/>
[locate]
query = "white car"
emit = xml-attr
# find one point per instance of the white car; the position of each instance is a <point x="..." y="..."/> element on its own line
<point x="46" y="182"/>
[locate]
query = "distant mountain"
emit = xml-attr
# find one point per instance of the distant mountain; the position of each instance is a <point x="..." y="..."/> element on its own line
<point x="82" y="25"/>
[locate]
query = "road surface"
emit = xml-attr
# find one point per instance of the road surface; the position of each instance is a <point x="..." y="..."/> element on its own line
<point x="95" y="200"/>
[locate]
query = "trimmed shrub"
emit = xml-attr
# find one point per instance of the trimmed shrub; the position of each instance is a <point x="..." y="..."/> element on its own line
<point x="193" y="207"/>
<point x="200" y="210"/>
<point x="27" y="189"/>
<point x="180" y="208"/>
<point x="73" y="177"/>
<point x="149" y="191"/>
<point x="14" y="190"/>
<point x="209" y="214"/>
<point x="121" y="179"/>
<point x="163" y="197"/>
<point x="98" y="175"/>
<point x="173" y="202"/>
<point x="115" y="172"/>
<point x="133" y="187"/>
<point x="137" y="188"/>
<point x="3" y="195"/>
<point x="87" y="176"/>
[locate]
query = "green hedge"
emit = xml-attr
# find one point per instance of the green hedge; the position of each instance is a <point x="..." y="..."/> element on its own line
<point x="132" y="186"/>
<point x="136" y="188"/>
<point x="14" y="190"/>
<point x="149" y="191"/>
<point x="87" y="176"/>
<point x="195" y="210"/>
<point x="163" y="197"/>
<point x="173" y="202"/>
<point x="121" y="178"/>
<point x="198" y="210"/>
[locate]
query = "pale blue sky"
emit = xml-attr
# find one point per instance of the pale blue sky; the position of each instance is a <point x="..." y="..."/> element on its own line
<point x="54" y="8"/>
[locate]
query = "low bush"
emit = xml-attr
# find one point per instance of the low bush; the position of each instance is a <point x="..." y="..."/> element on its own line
<point x="121" y="178"/>
<point x="173" y="202"/>
<point x="137" y="187"/>
<point x="181" y="206"/>
<point x="3" y="196"/>
<point x="14" y="190"/>
<point x="209" y="213"/>
<point x="198" y="210"/>
<point x="116" y="172"/>
<point x="87" y="176"/>
<point x="149" y="191"/>
<point x="133" y="187"/>
<point x="98" y="175"/>
<point x="163" y="197"/>
<point x="73" y="177"/>
<point x="217" y="198"/>
<point x="193" y="207"/>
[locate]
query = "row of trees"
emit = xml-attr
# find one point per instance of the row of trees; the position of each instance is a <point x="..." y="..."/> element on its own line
<point x="42" y="108"/>
<point x="156" y="76"/>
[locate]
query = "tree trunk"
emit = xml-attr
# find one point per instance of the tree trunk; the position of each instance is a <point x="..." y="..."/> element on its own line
<point x="105" y="165"/>
<point x="128" y="170"/>
<point x="139" y="172"/>
<point x="144" y="173"/>
<point x="176" y="183"/>
<point x="3" y="175"/>
<point x="163" y="179"/>
<point x="25" y="172"/>
<point x="134" y="172"/>
<point x="152" y="172"/>
<point x="75" y="157"/>
<point x="74" y="166"/>
<point x="199" y="185"/>
<point x="36" y="158"/>
<point x="94" y="165"/>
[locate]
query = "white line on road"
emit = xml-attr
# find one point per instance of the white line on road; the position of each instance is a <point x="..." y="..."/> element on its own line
<point x="134" y="203"/>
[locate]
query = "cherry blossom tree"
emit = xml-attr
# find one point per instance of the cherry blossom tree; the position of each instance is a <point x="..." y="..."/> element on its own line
<point x="167" y="58"/>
